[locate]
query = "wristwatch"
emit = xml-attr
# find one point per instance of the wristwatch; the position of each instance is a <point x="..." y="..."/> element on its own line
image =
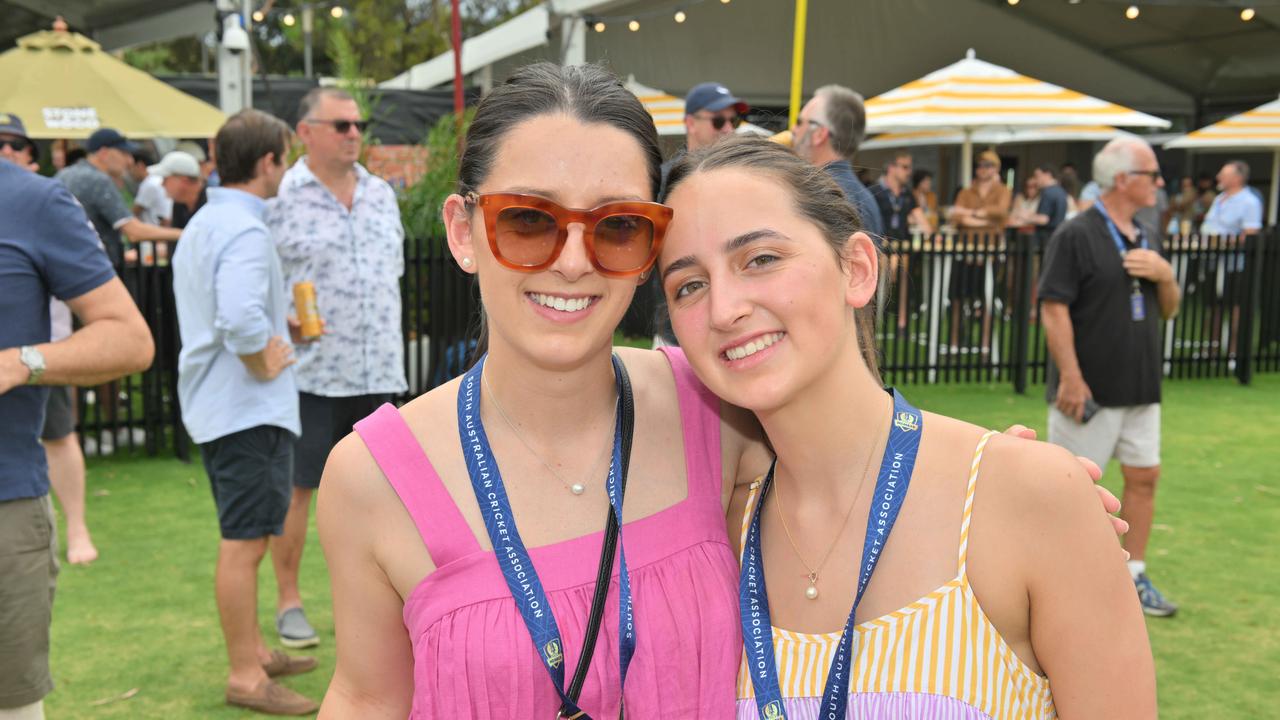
<point x="34" y="360"/>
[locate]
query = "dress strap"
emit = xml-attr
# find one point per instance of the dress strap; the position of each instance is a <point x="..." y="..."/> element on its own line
<point x="748" y="511"/>
<point x="411" y="474"/>
<point x="968" y="502"/>
<point x="700" y="422"/>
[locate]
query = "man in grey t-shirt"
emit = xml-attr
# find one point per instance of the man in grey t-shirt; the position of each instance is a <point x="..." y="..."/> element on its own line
<point x="93" y="182"/>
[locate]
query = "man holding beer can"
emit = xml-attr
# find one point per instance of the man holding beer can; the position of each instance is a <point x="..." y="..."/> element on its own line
<point x="338" y="233"/>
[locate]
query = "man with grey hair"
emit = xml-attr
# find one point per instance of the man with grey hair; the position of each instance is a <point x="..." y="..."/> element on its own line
<point x="1106" y="290"/>
<point x="828" y="132"/>
<point x="1235" y="213"/>
<point x="336" y="226"/>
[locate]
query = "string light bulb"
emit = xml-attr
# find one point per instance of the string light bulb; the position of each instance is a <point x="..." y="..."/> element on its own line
<point x="724" y="2"/>
<point x="1013" y="2"/>
<point x="634" y="25"/>
<point x="258" y="16"/>
<point x="680" y="16"/>
<point x="599" y="26"/>
<point x="1132" y="12"/>
<point x="1247" y="14"/>
<point x="337" y="11"/>
<point x="288" y="19"/>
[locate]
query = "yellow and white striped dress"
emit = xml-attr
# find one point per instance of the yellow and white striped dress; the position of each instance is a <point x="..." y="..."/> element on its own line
<point x="939" y="657"/>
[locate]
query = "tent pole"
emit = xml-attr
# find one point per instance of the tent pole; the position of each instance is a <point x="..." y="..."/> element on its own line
<point x="1275" y="188"/>
<point x="797" y="61"/>
<point x="966" y="158"/>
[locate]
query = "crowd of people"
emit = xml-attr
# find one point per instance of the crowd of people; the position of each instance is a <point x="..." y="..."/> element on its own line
<point x="768" y="261"/>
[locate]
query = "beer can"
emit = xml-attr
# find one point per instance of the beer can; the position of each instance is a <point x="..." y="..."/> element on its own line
<point x="304" y="300"/>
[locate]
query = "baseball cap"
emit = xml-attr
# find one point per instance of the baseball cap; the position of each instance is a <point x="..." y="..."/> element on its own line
<point x="176" y="163"/>
<point x="193" y="148"/>
<point x="12" y="125"/>
<point x="714" y="97"/>
<point x="109" y="137"/>
<point x="989" y="156"/>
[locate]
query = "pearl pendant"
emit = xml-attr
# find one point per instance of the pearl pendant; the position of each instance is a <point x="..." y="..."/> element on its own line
<point x="811" y="592"/>
<point x="577" y="488"/>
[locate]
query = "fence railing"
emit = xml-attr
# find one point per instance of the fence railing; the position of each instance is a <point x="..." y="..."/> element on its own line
<point x="960" y="309"/>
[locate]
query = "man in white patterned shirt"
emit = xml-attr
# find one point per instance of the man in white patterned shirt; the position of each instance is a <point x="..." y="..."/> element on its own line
<point x="338" y="227"/>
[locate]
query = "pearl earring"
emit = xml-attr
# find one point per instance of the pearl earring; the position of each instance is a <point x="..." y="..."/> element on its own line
<point x="466" y="262"/>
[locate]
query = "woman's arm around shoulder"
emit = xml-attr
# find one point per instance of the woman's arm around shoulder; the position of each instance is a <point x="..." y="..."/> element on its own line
<point x="1086" y="625"/>
<point x="374" y="674"/>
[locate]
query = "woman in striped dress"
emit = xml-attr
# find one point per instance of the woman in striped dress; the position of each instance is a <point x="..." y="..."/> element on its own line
<point x="992" y="590"/>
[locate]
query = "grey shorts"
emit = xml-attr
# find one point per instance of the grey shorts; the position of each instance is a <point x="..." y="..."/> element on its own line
<point x="1129" y="434"/>
<point x="28" y="576"/>
<point x="59" y="420"/>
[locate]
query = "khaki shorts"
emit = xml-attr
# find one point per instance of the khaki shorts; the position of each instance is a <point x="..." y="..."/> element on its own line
<point x="29" y="571"/>
<point x="1129" y="434"/>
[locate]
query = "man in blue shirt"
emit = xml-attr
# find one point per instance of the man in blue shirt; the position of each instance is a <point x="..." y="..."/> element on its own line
<point x="1235" y="212"/>
<point x="828" y="132"/>
<point x="239" y="399"/>
<point x="47" y="248"/>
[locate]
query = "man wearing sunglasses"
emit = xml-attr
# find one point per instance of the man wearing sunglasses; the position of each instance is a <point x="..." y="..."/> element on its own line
<point x="336" y="226"/>
<point x="828" y="131"/>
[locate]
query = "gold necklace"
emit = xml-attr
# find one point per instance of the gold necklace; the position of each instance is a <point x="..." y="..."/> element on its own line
<point x="811" y="592"/>
<point x="575" y="488"/>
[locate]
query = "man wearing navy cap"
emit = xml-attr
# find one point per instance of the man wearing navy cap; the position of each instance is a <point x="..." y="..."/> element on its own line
<point x="93" y="182"/>
<point x="711" y="114"/>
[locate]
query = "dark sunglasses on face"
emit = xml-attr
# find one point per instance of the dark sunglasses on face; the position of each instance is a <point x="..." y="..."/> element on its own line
<point x="527" y="232"/>
<point x="987" y="164"/>
<point x="719" y="121"/>
<point x="342" y="127"/>
<point x="16" y="144"/>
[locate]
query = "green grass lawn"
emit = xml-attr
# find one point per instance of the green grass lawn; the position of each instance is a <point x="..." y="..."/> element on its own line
<point x="143" y="618"/>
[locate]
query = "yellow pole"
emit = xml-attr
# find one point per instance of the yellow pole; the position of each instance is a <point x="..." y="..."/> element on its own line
<point x="797" y="61"/>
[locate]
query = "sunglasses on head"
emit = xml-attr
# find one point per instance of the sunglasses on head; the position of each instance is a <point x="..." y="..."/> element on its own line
<point x="16" y="144"/>
<point x="527" y="232"/>
<point x="719" y="121"/>
<point x="342" y="127"/>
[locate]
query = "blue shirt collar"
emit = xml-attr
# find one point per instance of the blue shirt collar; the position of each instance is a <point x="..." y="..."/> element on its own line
<point x="246" y="200"/>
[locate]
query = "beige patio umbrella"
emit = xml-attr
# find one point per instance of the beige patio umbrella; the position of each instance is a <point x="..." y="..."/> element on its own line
<point x="973" y="95"/>
<point x="63" y="85"/>
<point x="992" y="136"/>
<point x="1256" y="129"/>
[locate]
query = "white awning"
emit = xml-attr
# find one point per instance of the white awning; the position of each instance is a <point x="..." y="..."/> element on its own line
<point x="525" y="31"/>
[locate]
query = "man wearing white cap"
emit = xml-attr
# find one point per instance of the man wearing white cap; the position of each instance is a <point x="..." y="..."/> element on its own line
<point x="154" y="202"/>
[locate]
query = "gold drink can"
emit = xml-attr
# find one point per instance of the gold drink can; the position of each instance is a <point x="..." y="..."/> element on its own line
<point x="304" y="300"/>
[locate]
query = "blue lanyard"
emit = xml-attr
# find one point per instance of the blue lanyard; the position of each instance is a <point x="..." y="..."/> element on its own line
<point x="757" y="628"/>
<point x="513" y="558"/>
<point x="1121" y="245"/>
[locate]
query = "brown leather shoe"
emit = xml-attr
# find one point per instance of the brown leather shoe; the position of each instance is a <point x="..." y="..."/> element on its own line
<point x="272" y="699"/>
<point x="282" y="663"/>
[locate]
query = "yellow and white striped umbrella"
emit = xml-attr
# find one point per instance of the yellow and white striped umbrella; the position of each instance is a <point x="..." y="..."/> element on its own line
<point x="667" y="110"/>
<point x="992" y="136"/>
<point x="973" y="94"/>
<point x="1257" y="128"/>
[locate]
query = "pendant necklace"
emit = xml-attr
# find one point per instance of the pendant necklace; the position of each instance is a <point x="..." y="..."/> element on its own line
<point x="811" y="592"/>
<point x="575" y="488"/>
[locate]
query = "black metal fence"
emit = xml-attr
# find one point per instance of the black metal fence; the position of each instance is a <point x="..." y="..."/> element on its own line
<point x="964" y="309"/>
<point x="960" y="309"/>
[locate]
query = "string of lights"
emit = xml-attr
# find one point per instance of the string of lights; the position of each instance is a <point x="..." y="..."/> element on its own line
<point x="677" y="11"/>
<point x="1133" y="10"/>
<point x="288" y="16"/>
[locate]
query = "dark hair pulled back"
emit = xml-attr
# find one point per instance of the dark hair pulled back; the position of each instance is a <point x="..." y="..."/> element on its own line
<point x="815" y="195"/>
<point x="588" y="93"/>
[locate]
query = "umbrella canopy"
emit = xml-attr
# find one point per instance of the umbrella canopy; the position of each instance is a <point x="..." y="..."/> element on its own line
<point x="1257" y="128"/>
<point x="992" y="136"/>
<point x="63" y="85"/>
<point x="972" y="94"/>
<point x="667" y="110"/>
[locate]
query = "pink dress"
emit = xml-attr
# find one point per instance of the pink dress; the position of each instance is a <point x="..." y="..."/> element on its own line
<point x="473" y="657"/>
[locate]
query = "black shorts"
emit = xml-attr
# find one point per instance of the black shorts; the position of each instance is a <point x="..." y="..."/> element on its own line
<point x="325" y="421"/>
<point x="249" y="473"/>
<point x="59" y="420"/>
<point x="968" y="280"/>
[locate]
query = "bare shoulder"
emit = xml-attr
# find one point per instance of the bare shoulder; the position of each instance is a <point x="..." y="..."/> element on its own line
<point x="1036" y="481"/>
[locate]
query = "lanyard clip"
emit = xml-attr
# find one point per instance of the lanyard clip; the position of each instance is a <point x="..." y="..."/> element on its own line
<point x="560" y="714"/>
